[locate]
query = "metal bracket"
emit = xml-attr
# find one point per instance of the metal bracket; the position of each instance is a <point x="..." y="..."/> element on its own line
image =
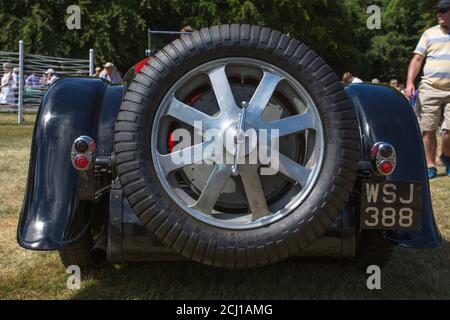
<point x="86" y="186"/>
<point x="114" y="246"/>
<point x="94" y="182"/>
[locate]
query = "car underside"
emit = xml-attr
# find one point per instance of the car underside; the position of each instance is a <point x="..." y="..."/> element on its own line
<point x="234" y="146"/>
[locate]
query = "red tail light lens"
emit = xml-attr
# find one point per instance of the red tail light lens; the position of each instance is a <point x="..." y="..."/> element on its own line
<point x="81" y="162"/>
<point x="386" y="167"/>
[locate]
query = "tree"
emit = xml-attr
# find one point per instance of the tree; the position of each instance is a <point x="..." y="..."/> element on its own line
<point x="403" y="23"/>
<point x="117" y="29"/>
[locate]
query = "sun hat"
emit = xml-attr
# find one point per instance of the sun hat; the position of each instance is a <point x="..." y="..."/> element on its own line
<point x="443" y="4"/>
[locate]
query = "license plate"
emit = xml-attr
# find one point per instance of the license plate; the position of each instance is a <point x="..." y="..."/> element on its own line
<point x="391" y="205"/>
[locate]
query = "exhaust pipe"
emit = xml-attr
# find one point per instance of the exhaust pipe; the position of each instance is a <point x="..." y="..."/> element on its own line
<point x="97" y="255"/>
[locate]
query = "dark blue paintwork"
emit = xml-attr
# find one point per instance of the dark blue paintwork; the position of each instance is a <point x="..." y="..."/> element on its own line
<point x="51" y="212"/>
<point x="386" y="115"/>
<point x="53" y="217"/>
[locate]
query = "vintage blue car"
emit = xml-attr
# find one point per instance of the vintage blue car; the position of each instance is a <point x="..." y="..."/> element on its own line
<point x="234" y="146"/>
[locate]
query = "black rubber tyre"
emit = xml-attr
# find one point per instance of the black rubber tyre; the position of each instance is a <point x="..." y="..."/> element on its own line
<point x="203" y="242"/>
<point x="373" y="249"/>
<point x="77" y="254"/>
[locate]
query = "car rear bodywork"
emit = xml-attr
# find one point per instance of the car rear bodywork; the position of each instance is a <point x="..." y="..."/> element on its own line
<point x="56" y="213"/>
<point x="53" y="215"/>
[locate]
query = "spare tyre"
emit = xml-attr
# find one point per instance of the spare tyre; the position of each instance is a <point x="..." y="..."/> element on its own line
<point x="236" y="213"/>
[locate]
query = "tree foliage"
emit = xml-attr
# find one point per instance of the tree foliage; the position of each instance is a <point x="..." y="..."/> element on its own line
<point x="116" y="29"/>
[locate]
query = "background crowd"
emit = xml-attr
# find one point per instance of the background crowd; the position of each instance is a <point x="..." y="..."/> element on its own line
<point x="348" y="79"/>
<point x="34" y="81"/>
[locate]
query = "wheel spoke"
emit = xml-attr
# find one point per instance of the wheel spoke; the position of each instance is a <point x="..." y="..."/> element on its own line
<point x="254" y="191"/>
<point x="292" y="169"/>
<point x="211" y="192"/>
<point x="182" y="158"/>
<point x="291" y="125"/>
<point x="222" y="89"/>
<point x="190" y="115"/>
<point x="263" y="93"/>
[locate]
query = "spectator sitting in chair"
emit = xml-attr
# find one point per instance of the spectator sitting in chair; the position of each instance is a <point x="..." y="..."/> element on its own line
<point x="187" y="29"/>
<point x="394" y="83"/>
<point x="51" y="76"/>
<point x="109" y="73"/>
<point x="33" y="80"/>
<point x="97" y="72"/>
<point x="348" y="78"/>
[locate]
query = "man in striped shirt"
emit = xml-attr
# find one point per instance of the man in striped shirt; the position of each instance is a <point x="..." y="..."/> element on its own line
<point x="434" y="91"/>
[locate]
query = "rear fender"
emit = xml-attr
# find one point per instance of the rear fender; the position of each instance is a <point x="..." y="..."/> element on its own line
<point x="52" y="216"/>
<point x="386" y="115"/>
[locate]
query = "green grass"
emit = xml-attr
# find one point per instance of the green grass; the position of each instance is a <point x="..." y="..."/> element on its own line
<point x="411" y="274"/>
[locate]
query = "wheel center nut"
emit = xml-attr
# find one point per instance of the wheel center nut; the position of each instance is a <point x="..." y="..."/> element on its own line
<point x="240" y="137"/>
<point x="233" y="138"/>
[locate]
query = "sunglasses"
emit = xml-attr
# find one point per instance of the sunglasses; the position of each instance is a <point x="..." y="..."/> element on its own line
<point x="443" y="11"/>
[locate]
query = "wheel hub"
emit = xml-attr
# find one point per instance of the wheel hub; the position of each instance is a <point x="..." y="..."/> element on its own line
<point x="234" y="193"/>
<point x="235" y="138"/>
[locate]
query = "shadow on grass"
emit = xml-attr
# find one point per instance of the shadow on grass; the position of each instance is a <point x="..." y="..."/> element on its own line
<point x="410" y="274"/>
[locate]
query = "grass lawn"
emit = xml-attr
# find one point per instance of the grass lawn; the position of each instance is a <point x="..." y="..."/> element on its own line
<point x="39" y="275"/>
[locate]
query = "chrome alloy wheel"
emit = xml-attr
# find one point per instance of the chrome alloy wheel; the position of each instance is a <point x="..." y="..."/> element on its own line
<point x="232" y="96"/>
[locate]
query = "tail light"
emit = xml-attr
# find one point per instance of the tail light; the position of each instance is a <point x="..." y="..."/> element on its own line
<point x="83" y="153"/>
<point x="383" y="158"/>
